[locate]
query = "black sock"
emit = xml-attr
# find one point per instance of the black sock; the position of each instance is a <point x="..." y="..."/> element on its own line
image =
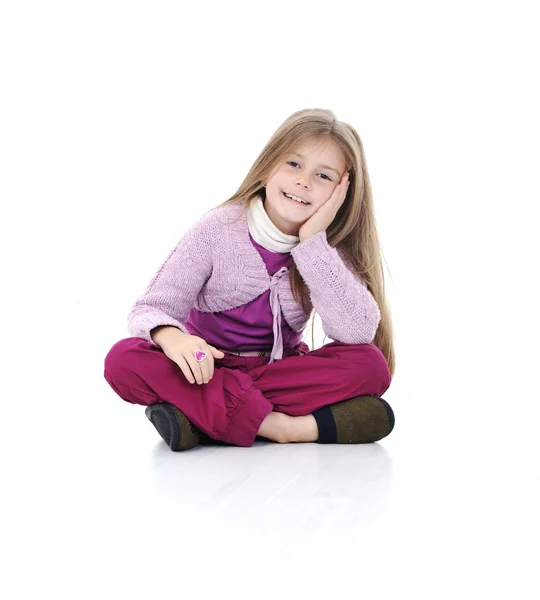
<point x="326" y="424"/>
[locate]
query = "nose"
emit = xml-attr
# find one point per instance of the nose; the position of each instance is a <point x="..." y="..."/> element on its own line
<point x="299" y="181"/>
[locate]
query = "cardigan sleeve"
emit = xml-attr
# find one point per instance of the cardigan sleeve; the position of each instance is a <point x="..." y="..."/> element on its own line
<point x="348" y="311"/>
<point x="172" y="292"/>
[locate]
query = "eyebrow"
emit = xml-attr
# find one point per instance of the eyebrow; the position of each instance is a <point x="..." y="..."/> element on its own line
<point x="322" y="166"/>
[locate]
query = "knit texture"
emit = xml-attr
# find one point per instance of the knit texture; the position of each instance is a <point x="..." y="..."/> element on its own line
<point x="215" y="267"/>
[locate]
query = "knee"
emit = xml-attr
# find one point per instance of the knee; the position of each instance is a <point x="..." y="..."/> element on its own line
<point x="119" y="356"/>
<point x="378" y="366"/>
<point x="384" y="377"/>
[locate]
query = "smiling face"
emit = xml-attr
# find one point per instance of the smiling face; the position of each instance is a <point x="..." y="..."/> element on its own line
<point x="312" y="172"/>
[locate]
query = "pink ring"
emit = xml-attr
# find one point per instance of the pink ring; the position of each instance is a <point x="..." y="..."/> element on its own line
<point x="200" y="355"/>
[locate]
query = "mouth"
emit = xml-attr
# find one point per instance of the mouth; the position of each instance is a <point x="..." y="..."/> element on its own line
<point x="295" y="201"/>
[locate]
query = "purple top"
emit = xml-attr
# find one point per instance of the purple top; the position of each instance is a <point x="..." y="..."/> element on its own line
<point x="251" y="326"/>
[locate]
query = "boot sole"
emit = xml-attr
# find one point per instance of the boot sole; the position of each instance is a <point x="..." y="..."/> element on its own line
<point x="162" y="417"/>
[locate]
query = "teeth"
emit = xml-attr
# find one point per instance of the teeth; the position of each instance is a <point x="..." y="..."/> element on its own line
<point x="297" y="199"/>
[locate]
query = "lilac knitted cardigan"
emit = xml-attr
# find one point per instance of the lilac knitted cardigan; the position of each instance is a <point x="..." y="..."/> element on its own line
<point x="215" y="267"/>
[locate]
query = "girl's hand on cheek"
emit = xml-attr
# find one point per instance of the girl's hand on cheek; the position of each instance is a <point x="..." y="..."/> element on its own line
<point x="321" y="219"/>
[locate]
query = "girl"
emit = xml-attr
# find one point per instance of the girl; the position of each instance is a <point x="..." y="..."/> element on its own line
<point x="227" y="307"/>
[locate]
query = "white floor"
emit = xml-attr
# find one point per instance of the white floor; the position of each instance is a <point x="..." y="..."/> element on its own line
<point x="445" y="507"/>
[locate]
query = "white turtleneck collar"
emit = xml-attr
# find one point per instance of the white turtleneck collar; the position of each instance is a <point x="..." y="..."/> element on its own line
<point x="264" y="232"/>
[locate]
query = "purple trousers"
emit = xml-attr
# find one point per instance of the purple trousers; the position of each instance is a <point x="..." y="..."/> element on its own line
<point x="244" y="389"/>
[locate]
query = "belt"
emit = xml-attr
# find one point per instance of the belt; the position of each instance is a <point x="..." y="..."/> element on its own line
<point x="248" y="353"/>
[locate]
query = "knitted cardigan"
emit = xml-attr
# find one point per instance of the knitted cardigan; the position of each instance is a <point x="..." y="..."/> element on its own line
<point x="215" y="267"/>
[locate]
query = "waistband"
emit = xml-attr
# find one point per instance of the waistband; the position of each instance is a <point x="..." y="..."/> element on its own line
<point x="248" y="353"/>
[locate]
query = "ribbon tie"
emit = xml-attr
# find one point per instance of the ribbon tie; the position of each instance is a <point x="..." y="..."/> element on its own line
<point x="277" y="350"/>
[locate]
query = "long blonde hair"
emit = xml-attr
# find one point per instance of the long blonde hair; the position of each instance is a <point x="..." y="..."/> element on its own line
<point x="353" y="230"/>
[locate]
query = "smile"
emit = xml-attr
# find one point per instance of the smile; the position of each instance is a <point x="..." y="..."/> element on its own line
<point x="302" y="202"/>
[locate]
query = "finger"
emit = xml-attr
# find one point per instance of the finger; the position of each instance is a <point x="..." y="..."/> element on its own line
<point x="342" y="186"/>
<point x="205" y="367"/>
<point x="185" y="368"/>
<point x="196" y="369"/>
<point x="208" y="362"/>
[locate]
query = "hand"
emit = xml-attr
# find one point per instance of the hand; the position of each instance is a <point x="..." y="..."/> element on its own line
<point x="321" y="219"/>
<point x="180" y="347"/>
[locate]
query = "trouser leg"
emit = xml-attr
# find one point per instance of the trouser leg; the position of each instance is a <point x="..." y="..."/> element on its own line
<point x="302" y="383"/>
<point x="228" y="408"/>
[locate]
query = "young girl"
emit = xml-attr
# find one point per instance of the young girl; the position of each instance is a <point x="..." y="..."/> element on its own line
<point x="216" y="350"/>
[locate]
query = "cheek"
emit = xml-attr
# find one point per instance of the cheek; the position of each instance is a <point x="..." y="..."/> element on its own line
<point x="275" y="183"/>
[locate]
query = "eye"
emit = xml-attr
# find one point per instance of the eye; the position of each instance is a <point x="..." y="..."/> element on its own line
<point x="292" y="162"/>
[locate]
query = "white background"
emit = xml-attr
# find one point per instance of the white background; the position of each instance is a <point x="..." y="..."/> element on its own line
<point x="123" y="122"/>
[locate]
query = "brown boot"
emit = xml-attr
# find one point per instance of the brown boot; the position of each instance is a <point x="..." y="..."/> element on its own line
<point x="359" y="420"/>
